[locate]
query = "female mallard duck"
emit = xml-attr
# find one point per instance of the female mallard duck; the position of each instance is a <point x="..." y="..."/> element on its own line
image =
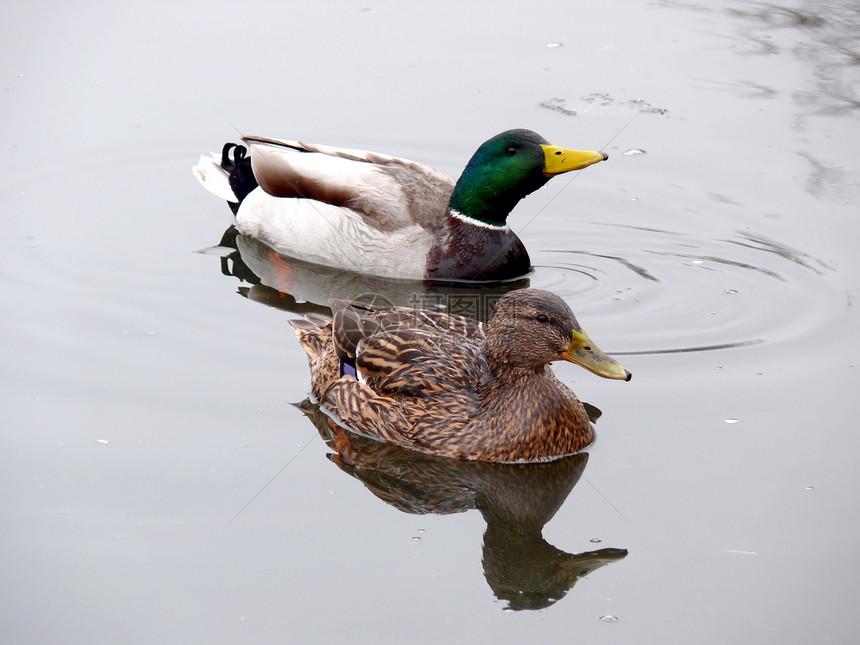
<point x="386" y="216"/>
<point x="447" y="385"/>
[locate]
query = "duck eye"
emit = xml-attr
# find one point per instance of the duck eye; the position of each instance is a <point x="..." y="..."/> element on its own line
<point x="542" y="318"/>
<point x="511" y="151"/>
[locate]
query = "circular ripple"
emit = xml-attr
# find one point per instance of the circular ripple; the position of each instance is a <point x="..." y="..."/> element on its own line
<point x="684" y="293"/>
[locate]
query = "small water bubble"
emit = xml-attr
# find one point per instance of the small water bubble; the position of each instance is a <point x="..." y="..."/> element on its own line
<point x="595" y="540"/>
<point x="608" y="618"/>
<point x="603" y="97"/>
<point x="730" y="291"/>
<point x="731" y="420"/>
<point x="809" y="488"/>
<point x="553" y="45"/>
<point x="698" y="261"/>
<point x="416" y="538"/>
<point x="634" y="151"/>
<point x="558" y="105"/>
<point x="718" y="367"/>
<point x="102" y="441"/>
<point x="151" y="333"/>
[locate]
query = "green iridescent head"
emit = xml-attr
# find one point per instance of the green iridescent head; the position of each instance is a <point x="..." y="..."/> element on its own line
<point x="507" y="168"/>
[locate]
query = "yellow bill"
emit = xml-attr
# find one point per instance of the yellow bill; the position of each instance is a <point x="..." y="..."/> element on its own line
<point x="588" y="355"/>
<point x="559" y="160"/>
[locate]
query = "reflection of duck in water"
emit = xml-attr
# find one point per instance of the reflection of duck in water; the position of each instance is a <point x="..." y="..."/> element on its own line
<point x="387" y="216"/>
<point x="449" y="386"/>
<point x="516" y="501"/>
<point x="302" y="288"/>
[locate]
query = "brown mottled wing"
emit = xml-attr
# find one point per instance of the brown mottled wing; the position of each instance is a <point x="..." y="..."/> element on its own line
<point x="355" y="321"/>
<point x="417" y="384"/>
<point x="422" y="364"/>
<point x="418" y="367"/>
<point x="432" y="321"/>
<point x="352" y="322"/>
<point x="359" y="408"/>
<point x="389" y="192"/>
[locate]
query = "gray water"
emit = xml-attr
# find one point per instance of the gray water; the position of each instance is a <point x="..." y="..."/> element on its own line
<point x="158" y="483"/>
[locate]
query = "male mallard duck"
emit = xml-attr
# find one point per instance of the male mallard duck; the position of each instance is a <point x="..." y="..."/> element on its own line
<point x="387" y="216"/>
<point x="447" y="385"/>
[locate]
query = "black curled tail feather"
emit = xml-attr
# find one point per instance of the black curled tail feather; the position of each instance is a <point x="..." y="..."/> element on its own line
<point x="236" y="162"/>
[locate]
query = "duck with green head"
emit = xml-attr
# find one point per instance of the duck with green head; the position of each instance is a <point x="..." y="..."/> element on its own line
<point x="387" y="216"/>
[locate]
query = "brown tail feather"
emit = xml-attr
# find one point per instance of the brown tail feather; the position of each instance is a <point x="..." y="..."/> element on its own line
<point x="314" y="336"/>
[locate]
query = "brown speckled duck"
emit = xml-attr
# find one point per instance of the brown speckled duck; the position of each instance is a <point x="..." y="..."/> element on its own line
<point x="447" y="385"/>
<point x="388" y="216"/>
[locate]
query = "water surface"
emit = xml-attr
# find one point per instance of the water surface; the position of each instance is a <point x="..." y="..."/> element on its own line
<point x="161" y="485"/>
